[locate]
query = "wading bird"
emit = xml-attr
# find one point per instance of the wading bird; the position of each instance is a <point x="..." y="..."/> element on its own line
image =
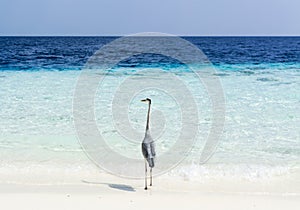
<point x="148" y="147"/>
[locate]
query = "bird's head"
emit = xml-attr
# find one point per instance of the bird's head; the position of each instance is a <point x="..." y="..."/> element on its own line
<point x="146" y="100"/>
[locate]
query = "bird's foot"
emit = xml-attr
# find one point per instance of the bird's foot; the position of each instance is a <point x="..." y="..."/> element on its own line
<point x="145" y="188"/>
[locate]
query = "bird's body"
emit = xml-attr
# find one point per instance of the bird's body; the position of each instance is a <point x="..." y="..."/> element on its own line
<point x="148" y="147"/>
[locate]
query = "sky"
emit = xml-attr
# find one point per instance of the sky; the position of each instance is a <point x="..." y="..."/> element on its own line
<point x="124" y="17"/>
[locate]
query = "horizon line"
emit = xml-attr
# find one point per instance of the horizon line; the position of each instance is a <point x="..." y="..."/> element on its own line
<point x="121" y="35"/>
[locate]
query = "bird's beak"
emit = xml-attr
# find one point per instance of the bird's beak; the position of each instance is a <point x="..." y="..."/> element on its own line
<point x="144" y="100"/>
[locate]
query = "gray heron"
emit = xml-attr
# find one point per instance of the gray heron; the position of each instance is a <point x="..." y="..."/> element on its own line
<point x="148" y="148"/>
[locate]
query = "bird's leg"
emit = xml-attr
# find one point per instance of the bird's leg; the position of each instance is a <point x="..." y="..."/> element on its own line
<point x="150" y="176"/>
<point x="146" y="175"/>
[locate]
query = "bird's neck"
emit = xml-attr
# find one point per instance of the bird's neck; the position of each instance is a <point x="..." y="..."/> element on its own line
<point x="148" y="117"/>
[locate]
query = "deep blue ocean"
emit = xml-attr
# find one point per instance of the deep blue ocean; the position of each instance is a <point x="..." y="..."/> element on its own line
<point x="63" y="53"/>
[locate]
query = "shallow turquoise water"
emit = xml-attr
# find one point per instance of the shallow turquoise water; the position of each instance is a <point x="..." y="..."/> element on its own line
<point x="260" y="138"/>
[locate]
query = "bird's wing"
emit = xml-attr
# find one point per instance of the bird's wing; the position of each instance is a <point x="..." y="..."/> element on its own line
<point x="152" y="146"/>
<point x="144" y="150"/>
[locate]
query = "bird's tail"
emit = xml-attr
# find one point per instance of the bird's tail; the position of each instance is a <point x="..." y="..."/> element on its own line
<point x="151" y="162"/>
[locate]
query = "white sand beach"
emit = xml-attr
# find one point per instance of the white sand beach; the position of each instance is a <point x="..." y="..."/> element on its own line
<point x="83" y="197"/>
<point x="106" y="199"/>
<point x="116" y="193"/>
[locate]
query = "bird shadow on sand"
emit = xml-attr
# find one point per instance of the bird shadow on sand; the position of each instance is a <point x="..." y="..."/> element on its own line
<point x="122" y="187"/>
